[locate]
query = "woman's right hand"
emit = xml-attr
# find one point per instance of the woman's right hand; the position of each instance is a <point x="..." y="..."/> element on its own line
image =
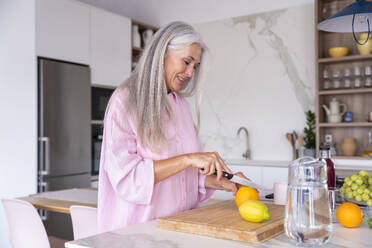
<point x="208" y="163"/>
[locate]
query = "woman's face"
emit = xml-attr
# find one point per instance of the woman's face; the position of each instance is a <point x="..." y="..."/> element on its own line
<point x="180" y="65"/>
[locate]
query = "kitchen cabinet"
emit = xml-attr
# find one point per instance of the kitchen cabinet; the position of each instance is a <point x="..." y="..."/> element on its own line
<point x="63" y="30"/>
<point x="270" y="175"/>
<point x="110" y="47"/>
<point x="137" y="50"/>
<point x="338" y="78"/>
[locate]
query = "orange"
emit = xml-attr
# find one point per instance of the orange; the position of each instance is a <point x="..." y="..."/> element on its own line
<point x="349" y="214"/>
<point x="246" y="193"/>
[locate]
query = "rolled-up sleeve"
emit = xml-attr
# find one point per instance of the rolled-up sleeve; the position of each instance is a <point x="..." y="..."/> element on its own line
<point x="131" y="176"/>
<point x="204" y="193"/>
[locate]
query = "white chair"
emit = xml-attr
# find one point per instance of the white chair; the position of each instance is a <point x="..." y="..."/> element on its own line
<point x="25" y="226"/>
<point x="84" y="221"/>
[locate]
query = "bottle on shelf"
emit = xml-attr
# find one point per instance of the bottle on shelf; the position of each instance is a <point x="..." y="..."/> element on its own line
<point x="326" y="81"/>
<point x="368" y="76"/>
<point x="336" y="82"/>
<point x="347" y="79"/>
<point x="357" y="83"/>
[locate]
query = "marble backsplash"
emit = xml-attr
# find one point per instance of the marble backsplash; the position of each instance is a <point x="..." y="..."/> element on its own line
<point x="261" y="76"/>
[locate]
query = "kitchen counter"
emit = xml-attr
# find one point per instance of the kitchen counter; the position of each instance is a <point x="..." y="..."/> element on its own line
<point x="147" y="235"/>
<point x="341" y="164"/>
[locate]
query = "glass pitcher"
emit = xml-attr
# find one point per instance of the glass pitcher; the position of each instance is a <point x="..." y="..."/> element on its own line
<point x="307" y="214"/>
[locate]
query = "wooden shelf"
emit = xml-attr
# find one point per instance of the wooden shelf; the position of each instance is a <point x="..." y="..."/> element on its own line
<point x="345" y="59"/>
<point x="344" y="124"/>
<point x="346" y="91"/>
<point x="137" y="49"/>
<point x="99" y="122"/>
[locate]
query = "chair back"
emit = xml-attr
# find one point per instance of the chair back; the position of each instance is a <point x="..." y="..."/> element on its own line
<point x="25" y="226"/>
<point x="84" y="221"/>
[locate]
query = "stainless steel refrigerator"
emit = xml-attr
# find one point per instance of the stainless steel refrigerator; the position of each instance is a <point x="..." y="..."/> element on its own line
<point x="64" y="133"/>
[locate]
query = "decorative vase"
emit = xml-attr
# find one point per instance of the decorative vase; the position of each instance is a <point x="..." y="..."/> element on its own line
<point x="367" y="47"/>
<point x="348" y="147"/>
<point x="136" y="37"/>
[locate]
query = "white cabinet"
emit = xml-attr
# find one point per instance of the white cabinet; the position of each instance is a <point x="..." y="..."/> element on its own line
<point x="270" y="175"/>
<point x="110" y="47"/>
<point x="63" y="30"/>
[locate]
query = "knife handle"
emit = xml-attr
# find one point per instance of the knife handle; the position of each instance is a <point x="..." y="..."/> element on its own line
<point x="225" y="174"/>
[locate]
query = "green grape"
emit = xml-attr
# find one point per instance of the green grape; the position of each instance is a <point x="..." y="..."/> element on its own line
<point x="370" y="181"/>
<point x="365" y="197"/>
<point x="367" y="191"/>
<point x="354" y="187"/>
<point x="348" y="189"/>
<point x="349" y="195"/>
<point x="349" y="183"/>
<point x="363" y="173"/>
<point x="354" y="177"/>
<point x="347" y="179"/>
<point x="359" y="181"/>
<point x="358" y="198"/>
<point x="355" y="193"/>
<point x="369" y="202"/>
<point x="370" y="195"/>
<point x="342" y="190"/>
<point x="360" y="191"/>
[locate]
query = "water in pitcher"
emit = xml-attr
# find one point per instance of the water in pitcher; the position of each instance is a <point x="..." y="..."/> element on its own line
<point x="308" y="218"/>
<point x="307" y="214"/>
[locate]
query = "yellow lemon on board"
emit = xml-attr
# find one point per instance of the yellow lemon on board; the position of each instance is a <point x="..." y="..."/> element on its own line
<point x="245" y="193"/>
<point x="254" y="211"/>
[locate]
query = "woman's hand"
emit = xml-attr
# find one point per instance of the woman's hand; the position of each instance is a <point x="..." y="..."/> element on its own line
<point x="208" y="163"/>
<point x="240" y="174"/>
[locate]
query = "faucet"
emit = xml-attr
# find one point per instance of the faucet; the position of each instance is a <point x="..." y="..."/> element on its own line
<point x="247" y="154"/>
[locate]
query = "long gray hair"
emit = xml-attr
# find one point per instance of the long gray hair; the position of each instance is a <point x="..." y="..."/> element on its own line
<point x="148" y="97"/>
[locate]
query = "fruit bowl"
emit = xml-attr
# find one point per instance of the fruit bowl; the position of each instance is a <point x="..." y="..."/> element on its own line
<point x="360" y="203"/>
<point x="337" y="52"/>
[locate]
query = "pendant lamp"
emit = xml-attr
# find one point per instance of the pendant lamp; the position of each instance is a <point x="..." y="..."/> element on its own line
<point x="356" y="17"/>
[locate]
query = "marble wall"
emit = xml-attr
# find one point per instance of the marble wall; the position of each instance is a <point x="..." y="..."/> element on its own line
<point x="261" y="76"/>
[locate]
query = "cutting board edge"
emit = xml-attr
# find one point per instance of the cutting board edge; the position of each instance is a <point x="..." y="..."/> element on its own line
<point x="188" y="227"/>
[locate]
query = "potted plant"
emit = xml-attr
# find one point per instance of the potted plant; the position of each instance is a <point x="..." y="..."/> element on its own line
<point x="309" y="131"/>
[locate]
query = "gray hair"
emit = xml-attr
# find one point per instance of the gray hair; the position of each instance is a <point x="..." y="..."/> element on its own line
<point x="148" y="98"/>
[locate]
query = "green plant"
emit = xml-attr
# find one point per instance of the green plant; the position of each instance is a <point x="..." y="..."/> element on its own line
<point x="309" y="130"/>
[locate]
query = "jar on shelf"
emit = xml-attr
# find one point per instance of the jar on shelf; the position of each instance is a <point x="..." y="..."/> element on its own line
<point x="326" y="81"/>
<point x="357" y="82"/>
<point x="336" y="82"/>
<point x="136" y="37"/>
<point x="368" y="76"/>
<point x="347" y="79"/>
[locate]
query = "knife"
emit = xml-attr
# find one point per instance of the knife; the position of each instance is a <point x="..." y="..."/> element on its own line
<point x="245" y="182"/>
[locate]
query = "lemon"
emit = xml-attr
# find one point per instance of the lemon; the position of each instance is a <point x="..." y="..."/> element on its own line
<point x="254" y="211"/>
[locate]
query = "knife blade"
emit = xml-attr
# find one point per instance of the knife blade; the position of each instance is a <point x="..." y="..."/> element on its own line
<point x="245" y="182"/>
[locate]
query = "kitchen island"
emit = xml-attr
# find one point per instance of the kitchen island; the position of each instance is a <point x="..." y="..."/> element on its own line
<point x="147" y="235"/>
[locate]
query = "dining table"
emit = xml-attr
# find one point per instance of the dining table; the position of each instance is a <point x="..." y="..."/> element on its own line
<point x="60" y="200"/>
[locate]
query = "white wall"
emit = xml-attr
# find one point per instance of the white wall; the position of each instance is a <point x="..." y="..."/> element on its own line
<point x="261" y="76"/>
<point x="18" y="103"/>
<point x="162" y="12"/>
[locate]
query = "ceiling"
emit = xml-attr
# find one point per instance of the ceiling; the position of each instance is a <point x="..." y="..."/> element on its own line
<point x="161" y="12"/>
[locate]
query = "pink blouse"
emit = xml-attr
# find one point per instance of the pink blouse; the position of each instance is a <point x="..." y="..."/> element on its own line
<point x="127" y="193"/>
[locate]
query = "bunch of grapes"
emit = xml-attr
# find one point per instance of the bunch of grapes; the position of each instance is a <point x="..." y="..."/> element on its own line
<point x="358" y="187"/>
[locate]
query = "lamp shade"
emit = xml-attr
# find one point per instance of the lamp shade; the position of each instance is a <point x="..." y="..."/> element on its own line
<point x="342" y="22"/>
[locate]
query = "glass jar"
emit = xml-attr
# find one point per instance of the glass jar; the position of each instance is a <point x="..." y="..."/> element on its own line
<point x="347" y="79"/>
<point x="336" y="82"/>
<point x="367" y="76"/>
<point x="326" y="81"/>
<point x="307" y="214"/>
<point x="357" y="82"/>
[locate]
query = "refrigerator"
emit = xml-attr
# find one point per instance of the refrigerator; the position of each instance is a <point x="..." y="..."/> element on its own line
<point x="64" y="134"/>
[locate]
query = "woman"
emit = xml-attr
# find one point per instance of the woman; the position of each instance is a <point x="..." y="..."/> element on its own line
<point x="151" y="161"/>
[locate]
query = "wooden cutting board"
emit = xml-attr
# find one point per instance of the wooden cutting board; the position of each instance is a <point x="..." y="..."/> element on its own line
<point x="222" y="220"/>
